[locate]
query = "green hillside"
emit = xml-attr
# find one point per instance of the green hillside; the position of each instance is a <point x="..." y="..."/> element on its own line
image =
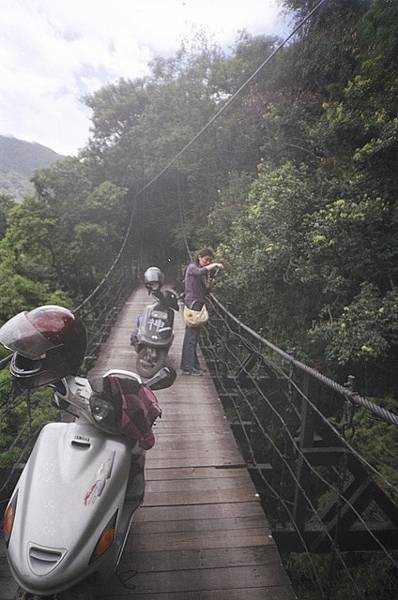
<point x="18" y="160"/>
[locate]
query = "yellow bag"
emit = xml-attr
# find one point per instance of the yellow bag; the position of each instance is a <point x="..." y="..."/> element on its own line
<point x="194" y="318"/>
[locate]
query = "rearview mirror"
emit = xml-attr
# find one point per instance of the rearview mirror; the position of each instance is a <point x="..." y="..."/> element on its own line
<point x="162" y="379"/>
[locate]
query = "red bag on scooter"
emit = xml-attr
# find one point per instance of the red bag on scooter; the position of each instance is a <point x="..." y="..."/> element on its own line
<point x="138" y="409"/>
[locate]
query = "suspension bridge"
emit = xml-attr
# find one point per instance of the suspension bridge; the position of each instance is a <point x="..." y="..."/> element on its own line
<point x="261" y="458"/>
<point x="202" y="531"/>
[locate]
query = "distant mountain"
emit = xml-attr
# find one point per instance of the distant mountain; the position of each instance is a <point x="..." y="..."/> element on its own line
<point x="18" y="161"/>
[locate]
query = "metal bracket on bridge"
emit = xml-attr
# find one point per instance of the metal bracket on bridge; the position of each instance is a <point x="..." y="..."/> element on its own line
<point x="358" y="493"/>
<point x="245" y="368"/>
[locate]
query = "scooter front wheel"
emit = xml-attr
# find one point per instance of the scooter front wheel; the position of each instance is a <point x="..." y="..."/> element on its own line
<point x="22" y="595"/>
<point x="150" y="360"/>
<point x="81" y="591"/>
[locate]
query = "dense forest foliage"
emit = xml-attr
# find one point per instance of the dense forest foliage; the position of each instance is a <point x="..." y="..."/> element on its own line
<point x="295" y="187"/>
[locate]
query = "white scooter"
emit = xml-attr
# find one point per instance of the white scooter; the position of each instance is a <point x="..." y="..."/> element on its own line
<point x="70" y="513"/>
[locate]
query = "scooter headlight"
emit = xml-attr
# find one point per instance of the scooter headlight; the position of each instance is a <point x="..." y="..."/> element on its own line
<point x="9" y="517"/>
<point x="103" y="413"/>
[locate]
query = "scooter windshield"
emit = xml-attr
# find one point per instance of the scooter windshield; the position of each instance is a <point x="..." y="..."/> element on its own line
<point x="19" y="335"/>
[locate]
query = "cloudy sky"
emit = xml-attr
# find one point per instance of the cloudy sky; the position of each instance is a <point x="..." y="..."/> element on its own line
<point x="53" y="52"/>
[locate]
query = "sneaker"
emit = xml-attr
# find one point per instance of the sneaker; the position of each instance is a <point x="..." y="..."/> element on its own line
<point x="185" y="372"/>
<point x="196" y="372"/>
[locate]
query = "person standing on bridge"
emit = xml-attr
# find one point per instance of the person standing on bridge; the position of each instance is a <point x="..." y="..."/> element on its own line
<point x="196" y="285"/>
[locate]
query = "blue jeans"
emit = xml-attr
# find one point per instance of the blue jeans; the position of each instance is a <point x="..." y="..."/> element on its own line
<point x="189" y="358"/>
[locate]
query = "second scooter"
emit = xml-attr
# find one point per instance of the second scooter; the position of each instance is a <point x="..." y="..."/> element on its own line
<point x="154" y="335"/>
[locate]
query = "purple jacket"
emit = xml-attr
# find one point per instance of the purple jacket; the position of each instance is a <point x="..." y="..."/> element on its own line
<point x="195" y="284"/>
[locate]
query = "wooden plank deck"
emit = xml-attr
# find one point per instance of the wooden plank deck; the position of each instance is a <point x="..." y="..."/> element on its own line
<point x="201" y="533"/>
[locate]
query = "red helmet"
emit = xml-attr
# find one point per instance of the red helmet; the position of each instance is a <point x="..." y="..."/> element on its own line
<point x="48" y="342"/>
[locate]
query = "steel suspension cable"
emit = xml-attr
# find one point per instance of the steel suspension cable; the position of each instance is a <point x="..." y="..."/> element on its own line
<point x="355" y="398"/>
<point x="113" y="265"/>
<point x="266" y="482"/>
<point x="232" y="98"/>
<point x="305" y="459"/>
<point x="326" y="421"/>
<point x="298" y="483"/>
<point x="226" y="105"/>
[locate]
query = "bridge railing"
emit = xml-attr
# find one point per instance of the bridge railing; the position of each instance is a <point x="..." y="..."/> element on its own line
<point x="306" y="440"/>
<point x="100" y="310"/>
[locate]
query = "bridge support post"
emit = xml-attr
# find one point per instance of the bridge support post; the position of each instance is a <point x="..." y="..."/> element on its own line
<point x="302" y="469"/>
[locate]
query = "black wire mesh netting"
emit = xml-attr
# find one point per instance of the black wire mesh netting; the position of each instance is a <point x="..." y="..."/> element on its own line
<point x="329" y="493"/>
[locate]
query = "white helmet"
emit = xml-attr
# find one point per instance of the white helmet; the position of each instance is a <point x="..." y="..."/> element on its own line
<point x="153" y="278"/>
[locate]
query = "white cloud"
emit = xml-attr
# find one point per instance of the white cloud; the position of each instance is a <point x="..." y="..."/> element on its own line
<point x="54" y="51"/>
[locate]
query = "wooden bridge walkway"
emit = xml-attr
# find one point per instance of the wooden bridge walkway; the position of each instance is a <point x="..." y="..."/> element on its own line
<point x="201" y="533"/>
